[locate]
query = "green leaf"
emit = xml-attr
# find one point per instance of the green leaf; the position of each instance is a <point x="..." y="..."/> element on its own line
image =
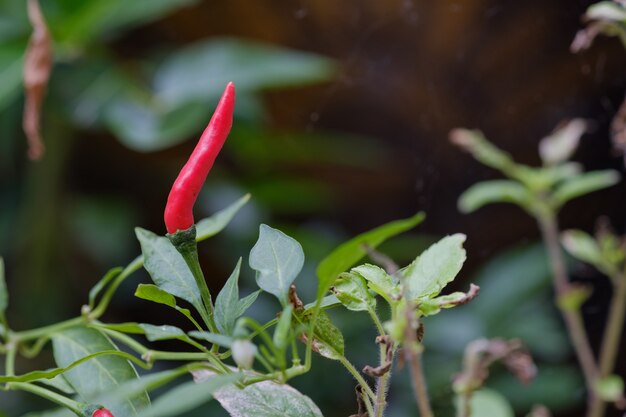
<point x="215" y="338"/>
<point x="606" y="10"/>
<point x="99" y="374"/>
<point x="59" y="383"/>
<point x="278" y="259"/>
<point x="266" y="399"/>
<point x="211" y="226"/>
<point x="351" y="290"/>
<point x="434" y="305"/>
<point x="352" y="251"/>
<point x="188" y="396"/>
<point x="164" y="332"/>
<point x="96" y="289"/>
<point x="496" y="191"/>
<point x="151" y="292"/>
<point x="437" y="266"/>
<point x="246" y="302"/>
<point x="4" y="294"/>
<point x="150" y="127"/>
<point x="584" y="184"/>
<point x="379" y="281"/>
<point x="610" y="388"/>
<point x="227" y="303"/>
<point x="327" y="338"/>
<point x="129" y="327"/>
<point x="474" y="141"/>
<point x="83" y="22"/>
<point x="168" y="268"/>
<point x="199" y="72"/>
<point x="486" y="402"/>
<point x="562" y="143"/>
<point x="584" y="248"/>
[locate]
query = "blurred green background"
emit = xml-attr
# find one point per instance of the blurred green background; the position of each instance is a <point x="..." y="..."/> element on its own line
<point x="343" y="110"/>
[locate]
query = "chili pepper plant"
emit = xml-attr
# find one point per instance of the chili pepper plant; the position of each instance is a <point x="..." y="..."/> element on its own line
<point x="244" y="364"/>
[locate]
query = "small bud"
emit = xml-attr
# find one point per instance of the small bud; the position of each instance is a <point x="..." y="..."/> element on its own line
<point x="243" y="353"/>
<point x="102" y="412"/>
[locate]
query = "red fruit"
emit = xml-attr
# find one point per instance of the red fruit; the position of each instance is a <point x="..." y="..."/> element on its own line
<point x="102" y="412"/>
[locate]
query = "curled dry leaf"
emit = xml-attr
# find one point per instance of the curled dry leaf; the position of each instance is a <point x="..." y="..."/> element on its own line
<point x="37" y="67"/>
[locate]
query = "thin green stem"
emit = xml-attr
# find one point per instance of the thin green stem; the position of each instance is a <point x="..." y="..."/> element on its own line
<point x="132" y="267"/>
<point x="359" y="378"/>
<point x="377" y="322"/>
<point x="124" y="338"/>
<point x="59" y="399"/>
<point x="47" y="330"/>
<point x="611" y="339"/>
<point x="573" y="318"/>
<point x="9" y="360"/>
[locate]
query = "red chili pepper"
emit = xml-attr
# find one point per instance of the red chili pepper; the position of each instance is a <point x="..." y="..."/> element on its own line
<point x="179" y="208"/>
<point x="102" y="412"/>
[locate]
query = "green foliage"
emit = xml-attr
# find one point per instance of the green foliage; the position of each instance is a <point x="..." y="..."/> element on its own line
<point x="167" y="268"/>
<point x="611" y="388"/>
<point x="188" y="396"/>
<point x="352" y="251"/>
<point x="100" y="285"/>
<point x="496" y="191"/>
<point x="379" y="281"/>
<point x="155" y="294"/>
<point x="164" y="332"/>
<point x="99" y="374"/>
<point x="210" y="226"/>
<point x="228" y="306"/>
<point x="327" y="338"/>
<point x="266" y="399"/>
<point x="351" y="290"/>
<point x="539" y="190"/>
<point x="278" y="259"/>
<point x="435" y="268"/>
<point x="487" y="402"/>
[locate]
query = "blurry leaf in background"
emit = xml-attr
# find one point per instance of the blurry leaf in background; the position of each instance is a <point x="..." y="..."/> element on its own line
<point x="61" y="412"/>
<point x="486" y="402"/>
<point x="559" y="146"/>
<point x="199" y="72"/>
<point x="101" y="227"/>
<point x="97" y="375"/>
<point x="11" y="63"/>
<point x="495" y="191"/>
<point x="76" y="24"/>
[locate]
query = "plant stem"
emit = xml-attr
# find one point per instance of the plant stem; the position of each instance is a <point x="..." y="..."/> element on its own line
<point x="362" y="382"/>
<point x="382" y="384"/>
<point x="611" y="339"/>
<point x="185" y="243"/>
<point x="63" y="401"/>
<point x="47" y="330"/>
<point x="419" y="383"/>
<point x="573" y="319"/>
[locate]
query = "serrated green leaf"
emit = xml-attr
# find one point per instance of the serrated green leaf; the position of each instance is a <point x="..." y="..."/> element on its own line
<point x="155" y="294"/>
<point x="327" y="338"/>
<point x="562" y="143"/>
<point x="227" y="303"/>
<point x="379" y="281"/>
<point x="214" y="224"/>
<point x="167" y="268"/>
<point x="437" y="266"/>
<point x="486" y="402"/>
<point x="351" y="290"/>
<point x="199" y="72"/>
<point x="266" y="399"/>
<point x="188" y="396"/>
<point x="164" y="332"/>
<point x="496" y="191"/>
<point x="352" y="251"/>
<point x="4" y="293"/>
<point x="215" y="338"/>
<point x="278" y="259"/>
<point x="584" y="184"/>
<point x="96" y="289"/>
<point x="99" y="374"/>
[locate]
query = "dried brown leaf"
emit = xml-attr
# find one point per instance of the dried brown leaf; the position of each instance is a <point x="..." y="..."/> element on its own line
<point x="37" y="68"/>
